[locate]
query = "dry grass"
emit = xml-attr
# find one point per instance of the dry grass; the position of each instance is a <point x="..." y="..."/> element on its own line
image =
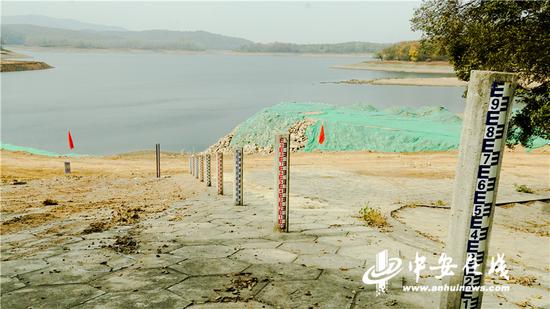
<point x="49" y="202"/>
<point x="523" y="189"/>
<point x="373" y="217"/>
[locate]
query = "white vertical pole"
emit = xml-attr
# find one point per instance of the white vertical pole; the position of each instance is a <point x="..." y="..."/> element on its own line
<point x="238" y="190"/>
<point x="208" y="169"/>
<point x="220" y="172"/>
<point x="483" y="138"/>
<point x="197" y="166"/>
<point x="201" y="168"/>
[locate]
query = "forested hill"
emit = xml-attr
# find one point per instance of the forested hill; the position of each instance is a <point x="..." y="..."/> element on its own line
<point x="413" y="51"/>
<point x="338" y="48"/>
<point x="31" y="35"/>
<point x="34" y="35"/>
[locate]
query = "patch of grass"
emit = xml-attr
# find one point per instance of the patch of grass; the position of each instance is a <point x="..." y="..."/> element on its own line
<point x="523" y="189"/>
<point x="96" y="227"/>
<point x="124" y="244"/>
<point x="49" y="202"/>
<point x="524" y="280"/>
<point x="440" y="203"/>
<point x="373" y="217"/>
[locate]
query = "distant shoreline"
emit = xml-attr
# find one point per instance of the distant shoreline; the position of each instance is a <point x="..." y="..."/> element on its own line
<point x="419" y="81"/>
<point x="7" y="64"/>
<point x="179" y="51"/>
<point x="438" y="67"/>
<point x="18" y="66"/>
<point x="102" y="50"/>
<point x="301" y="54"/>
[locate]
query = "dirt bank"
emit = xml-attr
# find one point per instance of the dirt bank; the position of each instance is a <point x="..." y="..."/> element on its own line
<point x="436" y="67"/>
<point x="427" y="81"/>
<point x="16" y="65"/>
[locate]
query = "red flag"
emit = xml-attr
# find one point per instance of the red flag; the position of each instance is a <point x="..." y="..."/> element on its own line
<point x="322" y="135"/>
<point x="71" y="144"/>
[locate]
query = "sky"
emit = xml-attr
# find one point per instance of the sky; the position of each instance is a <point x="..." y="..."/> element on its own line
<point x="259" y="21"/>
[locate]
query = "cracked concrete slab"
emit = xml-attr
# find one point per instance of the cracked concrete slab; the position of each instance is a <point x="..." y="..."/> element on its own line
<point x="265" y="255"/>
<point x="65" y="274"/>
<point x="155" y="260"/>
<point x="283" y="272"/>
<point x="217" y="288"/>
<point x="233" y="305"/>
<point x="17" y="267"/>
<point x="328" y="261"/>
<point x="47" y="297"/>
<point x="8" y="284"/>
<point x="134" y="279"/>
<point x="130" y="300"/>
<point x="204" y="251"/>
<point x="201" y="266"/>
<point x="306" y="247"/>
<point x="306" y="294"/>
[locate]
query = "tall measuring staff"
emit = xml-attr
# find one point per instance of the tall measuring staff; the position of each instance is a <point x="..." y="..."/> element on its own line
<point x="488" y="108"/>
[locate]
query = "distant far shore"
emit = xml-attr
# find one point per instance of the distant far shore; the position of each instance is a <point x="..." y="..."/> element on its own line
<point x="17" y="65"/>
<point x="435" y="67"/>
<point x="366" y="55"/>
<point x="419" y="81"/>
<point x="7" y="64"/>
<point x="185" y="52"/>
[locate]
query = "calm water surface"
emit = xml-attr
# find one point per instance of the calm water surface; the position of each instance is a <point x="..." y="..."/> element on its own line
<point x="122" y="101"/>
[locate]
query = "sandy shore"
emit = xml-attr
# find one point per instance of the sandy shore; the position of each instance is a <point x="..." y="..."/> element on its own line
<point x="436" y="67"/>
<point x="194" y="246"/>
<point x="420" y="81"/>
<point x="101" y="189"/>
<point x="105" y="183"/>
<point x="7" y="64"/>
<point x="19" y="65"/>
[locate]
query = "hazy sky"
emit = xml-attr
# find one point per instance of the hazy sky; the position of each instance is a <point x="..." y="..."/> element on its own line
<point x="298" y="22"/>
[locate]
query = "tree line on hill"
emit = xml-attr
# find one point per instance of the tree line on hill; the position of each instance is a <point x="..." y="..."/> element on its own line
<point x="338" y="48"/>
<point x="33" y="35"/>
<point x="413" y="51"/>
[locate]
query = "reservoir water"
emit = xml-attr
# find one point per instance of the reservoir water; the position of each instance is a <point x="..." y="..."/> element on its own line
<point x="117" y="102"/>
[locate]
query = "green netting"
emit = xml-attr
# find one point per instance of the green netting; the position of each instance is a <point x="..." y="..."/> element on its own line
<point x="33" y="150"/>
<point x="261" y="127"/>
<point x="357" y="127"/>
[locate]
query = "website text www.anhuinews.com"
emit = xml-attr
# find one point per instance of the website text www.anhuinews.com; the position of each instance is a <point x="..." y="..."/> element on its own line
<point x="455" y="288"/>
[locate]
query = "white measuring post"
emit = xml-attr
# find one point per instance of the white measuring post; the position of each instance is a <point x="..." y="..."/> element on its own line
<point x="197" y="167"/>
<point x="238" y="186"/>
<point x="157" y="152"/>
<point x="282" y="177"/>
<point x="219" y="157"/>
<point x="192" y="164"/>
<point x="483" y="137"/>
<point x="201" y="168"/>
<point x="208" y="170"/>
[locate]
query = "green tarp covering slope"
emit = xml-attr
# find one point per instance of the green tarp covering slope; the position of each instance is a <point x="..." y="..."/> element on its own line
<point x="41" y="152"/>
<point x="356" y="127"/>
